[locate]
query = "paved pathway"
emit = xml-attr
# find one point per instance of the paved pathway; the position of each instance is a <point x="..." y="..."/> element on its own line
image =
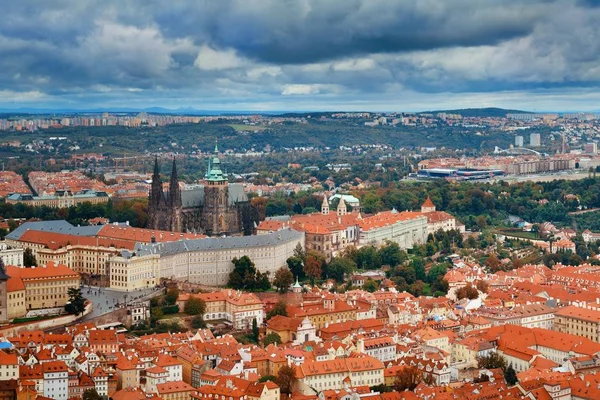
<point x="106" y="300"/>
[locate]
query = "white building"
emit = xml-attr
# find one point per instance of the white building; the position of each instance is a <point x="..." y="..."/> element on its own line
<point x="9" y="366"/>
<point x="11" y="256"/>
<point x="206" y="261"/>
<point x="56" y="377"/>
<point x="535" y="140"/>
<point x="402" y="228"/>
<point x="382" y="348"/>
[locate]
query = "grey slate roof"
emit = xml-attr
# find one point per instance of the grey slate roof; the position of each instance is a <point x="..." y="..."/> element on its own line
<point x="207" y="244"/>
<point x="58" y="226"/>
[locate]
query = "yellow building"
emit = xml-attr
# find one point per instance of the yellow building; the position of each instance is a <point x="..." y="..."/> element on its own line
<point x="15" y="298"/>
<point x="323" y="312"/>
<point x="47" y="286"/>
<point x="578" y="321"/>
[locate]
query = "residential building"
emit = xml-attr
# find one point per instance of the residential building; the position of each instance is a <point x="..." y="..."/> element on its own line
<point x="174" y="390"/>
<point x="239" y="308"/>
<point x="56" y="375"/>
<point x="336" y="374"/>
<point x="9" y="366"/>
<point x="324" y="311"/>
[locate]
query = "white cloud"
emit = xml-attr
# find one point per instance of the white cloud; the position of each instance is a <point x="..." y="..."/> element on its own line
<point x="360" y="64"/>
<point x="297" y="89"/>
<point x="210" y="59"/>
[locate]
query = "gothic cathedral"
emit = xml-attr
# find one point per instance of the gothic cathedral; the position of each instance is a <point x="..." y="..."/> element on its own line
<point x="215" y="208"/>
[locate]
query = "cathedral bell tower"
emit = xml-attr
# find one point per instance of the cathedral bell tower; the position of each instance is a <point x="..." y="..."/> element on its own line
<point x="215" y="213"/>
<point x="157" y="206"/>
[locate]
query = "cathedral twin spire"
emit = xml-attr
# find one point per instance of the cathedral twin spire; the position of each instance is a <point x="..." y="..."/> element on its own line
<point x="157" y="194"/>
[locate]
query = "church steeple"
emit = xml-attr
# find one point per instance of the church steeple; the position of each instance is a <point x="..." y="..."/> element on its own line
<point x="341" y="208"/>
<point x="156" y="169"/>
<point x="325" y="206"/>
<point x="174" y="191"/>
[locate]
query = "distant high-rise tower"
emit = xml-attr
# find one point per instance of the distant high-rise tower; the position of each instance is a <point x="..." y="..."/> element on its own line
<point x="535" y="140"/>
<point x="519" y="141"/>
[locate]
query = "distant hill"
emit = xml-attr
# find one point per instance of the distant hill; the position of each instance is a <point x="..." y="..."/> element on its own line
<point x="481" y="112"/>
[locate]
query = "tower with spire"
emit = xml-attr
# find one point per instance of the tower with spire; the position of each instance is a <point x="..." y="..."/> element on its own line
<point x="174" y="200"/>
<point x="157" y="204"/>
<point x="325" y="206"/>
<point x="341" y="208"/>
<point x="216" y="217"/>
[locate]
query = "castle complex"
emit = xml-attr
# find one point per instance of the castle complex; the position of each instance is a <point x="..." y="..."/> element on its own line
<point x="216" y="208"/>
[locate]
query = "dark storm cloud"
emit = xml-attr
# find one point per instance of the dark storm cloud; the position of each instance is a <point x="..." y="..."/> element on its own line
<point x="151" y="50"/>
<point x="278" y="31"/>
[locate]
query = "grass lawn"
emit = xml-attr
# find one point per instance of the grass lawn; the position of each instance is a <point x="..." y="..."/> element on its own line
<point x="243" y="127"/>
<point x="517" y="234"/>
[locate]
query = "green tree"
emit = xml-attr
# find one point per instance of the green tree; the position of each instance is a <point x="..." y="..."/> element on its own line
<point x="272" y="338"/>
<point x="417" y="289"/>
<point x="255" y="332"/>
<point x="367" y="257"/>
<point x="283" y="279"/>
<point x="418" y="264"/>
<point x="198" y="322"/>
<point x="299" y="252"/>
<point x="91" y="394"/>
<point x="76" y="303"/>
<point x="296" y="265"/>
<point x="381" y="388"/>
<point x="435" y="271"/>
<point x="171" y="296"/>
<point x="370" y="286"/>
<point x="339" y="267"/>
<point x="245" y="276"/>
<point x="29" y="259"/>
<point x="278" y="309"/>
<point x="286" y="379"/>
<point x="266" y="378"/>
<point x="194" y="306"/>
<point x="510" y="375"/>
<point x="391" y="254"/>
<point x="492" y="361"/>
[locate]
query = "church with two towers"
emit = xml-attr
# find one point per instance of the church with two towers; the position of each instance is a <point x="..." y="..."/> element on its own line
<point x="215" y="208"/>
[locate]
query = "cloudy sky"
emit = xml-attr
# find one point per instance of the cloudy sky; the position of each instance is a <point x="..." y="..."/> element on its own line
<point x="301" y="54"/>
